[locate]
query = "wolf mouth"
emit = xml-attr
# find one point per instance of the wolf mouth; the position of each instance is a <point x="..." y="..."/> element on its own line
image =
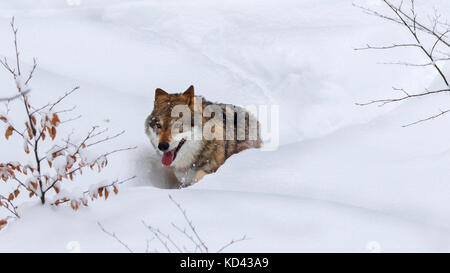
<point x="169" y="157"/>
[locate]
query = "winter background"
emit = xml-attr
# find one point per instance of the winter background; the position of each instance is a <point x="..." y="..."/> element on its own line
<point x="344" y="178"/>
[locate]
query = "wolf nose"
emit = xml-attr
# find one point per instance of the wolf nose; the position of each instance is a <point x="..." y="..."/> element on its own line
<point x="163" y="146"/>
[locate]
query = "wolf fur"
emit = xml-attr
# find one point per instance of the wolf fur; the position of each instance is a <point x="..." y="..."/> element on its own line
<point x="196" y="157"/>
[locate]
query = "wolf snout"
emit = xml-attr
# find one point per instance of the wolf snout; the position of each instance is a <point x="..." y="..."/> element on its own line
<point x="163" y="146"/>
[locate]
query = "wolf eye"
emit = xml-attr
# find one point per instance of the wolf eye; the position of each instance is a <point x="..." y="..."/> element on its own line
<point x="154" y="123"/>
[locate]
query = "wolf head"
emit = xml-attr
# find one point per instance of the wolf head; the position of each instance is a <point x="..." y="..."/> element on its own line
<point x="170" y="128"/>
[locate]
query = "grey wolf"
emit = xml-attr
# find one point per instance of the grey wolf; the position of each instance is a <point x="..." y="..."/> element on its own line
<point x="195" y="136"/>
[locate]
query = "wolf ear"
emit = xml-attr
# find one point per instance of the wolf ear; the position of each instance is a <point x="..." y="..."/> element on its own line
<point x="160" y="92"/>
<point x="189" y="92"/>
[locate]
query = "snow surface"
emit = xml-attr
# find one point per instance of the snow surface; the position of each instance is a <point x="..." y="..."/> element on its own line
<point x="344" y="178"/>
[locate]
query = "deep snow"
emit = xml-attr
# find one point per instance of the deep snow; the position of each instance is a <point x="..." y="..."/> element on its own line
<point x="344" y="178"/>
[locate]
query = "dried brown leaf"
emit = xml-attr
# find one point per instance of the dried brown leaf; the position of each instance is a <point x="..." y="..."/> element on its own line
<point x="9" y="132"/>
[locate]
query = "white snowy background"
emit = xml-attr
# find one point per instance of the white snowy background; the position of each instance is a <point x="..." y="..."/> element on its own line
<point x="344" y="177"/>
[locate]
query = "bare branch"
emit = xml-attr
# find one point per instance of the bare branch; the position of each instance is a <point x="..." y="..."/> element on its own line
<point x="413" y="23"/>
<point x="407" y="96"/>
<point x="167" y="241"/>
<point x="413" y="32"/>
<point x="52" y="105"/>
<point x="439" y="39"/>
<point x="377" y="14"/>
<point x="65" y="110"/>
<point x="113" y="235"/>
<point x="15" y="30"/>
<point x="417" y="65"/>
<point x="160" y="235"/>
<point x="232" y="242"/>
<point x="424" y="28"/>
<point x="16" y="96"/>
<point x="30" y="76"/>
<point x="147" y="249"/>
<point x="108" y="138"/>
<point x="441" y="113"/>
<point x="186" y="234"/>
<point x="11" y="70"/>
<point x="387" y="47"/>
<point x="408" y="19"/>
<point x="191" y="226"/>
<point x="70" y="119"/>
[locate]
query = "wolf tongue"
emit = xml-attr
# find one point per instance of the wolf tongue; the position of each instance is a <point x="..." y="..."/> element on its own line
<point x="167" y="158"/>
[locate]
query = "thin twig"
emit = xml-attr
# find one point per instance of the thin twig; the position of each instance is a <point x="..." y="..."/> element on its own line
<point x="158" y="233"/>
<point x="113" y="235"/>
<point x="386" y="47"/>
<point x="191" y="226"/>
<point x="52" y="105"/>
<point x="30" y="76"/>
<point x="106" y="139"/>
<point x="115" y="183"/>
<point x="16" y="96"/>
<point x="407" y="96"/>
<point x="441" y="113"/>
<point x="184" y="232"/>
<point x="11" y="208"/>
<point x="232" y="242"/>
<point x="413" y="32"/>
<point x="408" y="19"/>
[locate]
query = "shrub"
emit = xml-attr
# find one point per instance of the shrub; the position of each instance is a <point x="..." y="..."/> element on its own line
<point x="53" y="161"/>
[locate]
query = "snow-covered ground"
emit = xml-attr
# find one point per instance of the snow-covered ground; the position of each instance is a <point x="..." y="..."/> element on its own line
<point x="344" y="177"/>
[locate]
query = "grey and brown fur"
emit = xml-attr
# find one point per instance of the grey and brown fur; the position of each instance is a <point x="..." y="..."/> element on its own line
<point x="198" y="157"/>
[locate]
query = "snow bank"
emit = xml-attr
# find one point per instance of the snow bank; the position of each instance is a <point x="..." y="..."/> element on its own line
<point x="345" y="178"/>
